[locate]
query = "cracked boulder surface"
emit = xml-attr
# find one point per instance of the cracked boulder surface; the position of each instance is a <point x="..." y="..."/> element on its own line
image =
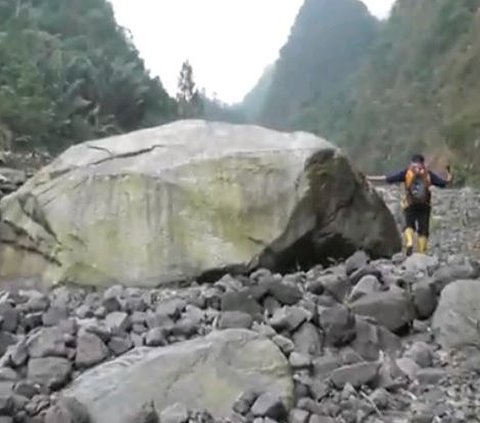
<point x="173" y="203"/>
<point x="208" y="372"/>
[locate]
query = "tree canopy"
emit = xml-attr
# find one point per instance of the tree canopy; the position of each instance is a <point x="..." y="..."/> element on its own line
<point x="69" y="72"/>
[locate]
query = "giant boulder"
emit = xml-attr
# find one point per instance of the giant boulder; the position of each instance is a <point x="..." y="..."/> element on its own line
<point x="177" y="201"/>
<point x="205" y="373"/>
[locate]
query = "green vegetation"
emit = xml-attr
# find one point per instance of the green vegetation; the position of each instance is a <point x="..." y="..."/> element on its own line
<point x="68" y="73"/>
<point x="383" y="90"/>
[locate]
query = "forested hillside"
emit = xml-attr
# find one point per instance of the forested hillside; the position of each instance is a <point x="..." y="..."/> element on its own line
<point x="68" y="73"/>
<point x="327" y="43"/>
<point x="384" y="90"/>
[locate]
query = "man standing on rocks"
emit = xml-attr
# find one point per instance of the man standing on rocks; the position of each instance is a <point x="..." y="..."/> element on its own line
<point x="416" y="202"/>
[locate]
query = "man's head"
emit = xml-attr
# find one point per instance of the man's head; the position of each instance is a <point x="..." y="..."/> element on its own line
<point x="418" y="158"/>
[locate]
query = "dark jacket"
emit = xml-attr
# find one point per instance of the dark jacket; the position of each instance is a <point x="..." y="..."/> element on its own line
<point x="399" y="177"/>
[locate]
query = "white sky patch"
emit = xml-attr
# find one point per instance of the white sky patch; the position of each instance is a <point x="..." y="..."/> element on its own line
<point x="228" y="42"/>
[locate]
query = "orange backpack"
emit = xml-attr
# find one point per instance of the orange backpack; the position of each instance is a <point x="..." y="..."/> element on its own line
<point x="417" y="184"/>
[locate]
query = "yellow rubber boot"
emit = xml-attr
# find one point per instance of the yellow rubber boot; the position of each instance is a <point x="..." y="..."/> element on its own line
<point x="422" y="244"/>
<point x="408" y="236"/>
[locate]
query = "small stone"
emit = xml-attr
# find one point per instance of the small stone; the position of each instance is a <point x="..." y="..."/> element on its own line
<point x="299" y="361"/>
<point x="380" y="398"/>
<point x="289" y="318"/>
<point x="10" y="317"/>
<point x="315" y="287"/>
<point x="315" y="418"/>
<point x="269" y="405"/>
<point x="307" y="339"/>
<point x="421" y="414"/>
<point x="8" y="375"/>
<point x="408" y="367"/>
<point x="38" y="302"/>
<point x="184" y="328"/>
<point x="310" y="405"/>
<point x="18" y="354"/>
<point x="54" y="316"/>
<point x="297" y="415"/>
<point x="38" y="404"/>
<point x="31" y="321"/>
<point x="138" y="317"/>
<point x="172" y="308"/>
<point x="120" y="345"/>
<point x="111" y="304"/>
<point x="421" y="353"/>
<point x="286" y="345"/>
<point x="348" y="391"/>
<point x="367" y="285"/>
<point x="325" y="365"/>
<point x="357" y="374"/>
<point x="338" y="324"/>
<point x="156" y="337"/>
<point x="138" y="328"/>
<point x="6" y="398"/>
<point x="117" y="322"/>
<point x="243" y="403"/>
<point x="154" y="320"/>
<point x="47" y="342"/>
<point x="286" y="294"/>
<point x="84" y="312"/>
<point x="99" y="329"/>
<point x="235" y="319"/>
<point x="91" y="350"/>
<point x="430" y="376"/>
<point x="138" y="340"/>
<point x="264" y="330"/>
<point x="336" y="285"/>
<point x="100" y="313"/>
<point x="52" y="372"/>
<point x="241" y="301"/>
<point x="26" y="389"/>
<point x="318" y="389"/>
<point x="356" y="261"/>
<point x="271" y="305"/>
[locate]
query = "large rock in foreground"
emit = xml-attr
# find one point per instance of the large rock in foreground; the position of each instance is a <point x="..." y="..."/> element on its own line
<point x="206" y="373"/>
<point x="174" y="202"/>
<point x="456" y="321"/>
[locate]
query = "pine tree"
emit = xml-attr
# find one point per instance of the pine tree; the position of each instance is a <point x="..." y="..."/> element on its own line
<point x="189" y="100"/>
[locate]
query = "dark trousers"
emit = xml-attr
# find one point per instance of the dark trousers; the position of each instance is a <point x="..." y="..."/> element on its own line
<point x="417" y="217"/>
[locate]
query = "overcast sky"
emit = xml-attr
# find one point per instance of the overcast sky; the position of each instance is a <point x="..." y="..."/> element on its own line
<point x="228" y="42"/>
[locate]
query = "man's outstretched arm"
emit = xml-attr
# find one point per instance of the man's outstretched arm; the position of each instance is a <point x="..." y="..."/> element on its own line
<point x="392" y="178"/>
<point x="438" y="181"/>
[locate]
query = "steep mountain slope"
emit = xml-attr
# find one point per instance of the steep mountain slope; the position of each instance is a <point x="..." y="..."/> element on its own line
<point x="254" y="102"/>
<point x="327" y="43"/>
<point x="68" y="72"/>
<point x="413" y="88"/>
